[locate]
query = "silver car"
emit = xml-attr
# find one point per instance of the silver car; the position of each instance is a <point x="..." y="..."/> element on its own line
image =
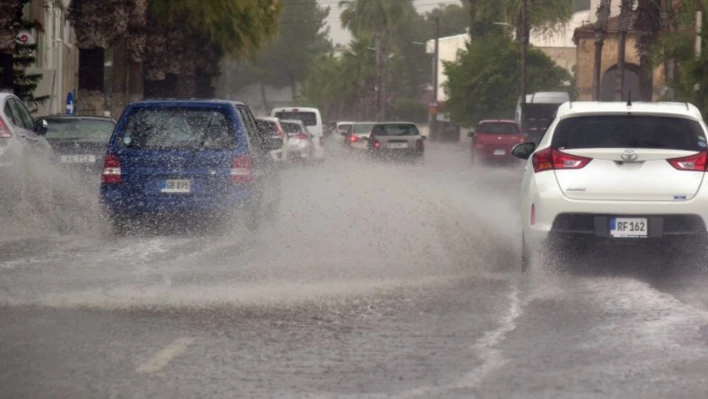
<point x="300" y="145"/>
<point x="21" y="147"/>
<point x="396" y="140"/>
<point x="357" y="137"/>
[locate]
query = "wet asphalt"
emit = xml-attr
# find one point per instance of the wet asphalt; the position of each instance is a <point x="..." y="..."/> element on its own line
<point x="374" y="280"/>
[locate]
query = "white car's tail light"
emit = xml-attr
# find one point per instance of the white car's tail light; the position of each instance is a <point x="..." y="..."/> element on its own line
<point x="550" y="159"/>
<point x="4" y="130"/>
<point x="694" y="163"/>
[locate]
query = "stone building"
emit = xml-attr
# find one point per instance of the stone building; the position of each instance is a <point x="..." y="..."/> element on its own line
<point x="584" y="39"/>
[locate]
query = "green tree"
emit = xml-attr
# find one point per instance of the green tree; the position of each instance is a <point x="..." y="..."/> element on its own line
<point x="454" y="19"/>
<point x="10" y="24"/>
<point x="484" y="81"/>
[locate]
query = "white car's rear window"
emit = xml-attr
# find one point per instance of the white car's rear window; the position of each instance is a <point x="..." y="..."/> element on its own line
<point x="629" y="131"/>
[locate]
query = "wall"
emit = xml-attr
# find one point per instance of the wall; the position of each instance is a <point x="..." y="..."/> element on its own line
<point x="586" y="61"/>
<point x="448" y="47"/>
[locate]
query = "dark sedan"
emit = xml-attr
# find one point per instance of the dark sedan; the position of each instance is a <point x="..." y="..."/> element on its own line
<point x="78" y="141"/>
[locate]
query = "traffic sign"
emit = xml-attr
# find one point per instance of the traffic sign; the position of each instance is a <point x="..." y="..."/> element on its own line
<point x="70" y="108"/>
<point x="26" y="37"/>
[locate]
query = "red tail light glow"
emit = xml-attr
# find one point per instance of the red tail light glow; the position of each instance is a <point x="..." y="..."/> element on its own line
<point x="4" y="130"/>
<point x="551" y="159"/>
<point x="111" y="170"/>
<point x="353" y="139"/>
<point x="242" y="170"/>
<point x="377" y="144"/>
<point x="694" y="163"/>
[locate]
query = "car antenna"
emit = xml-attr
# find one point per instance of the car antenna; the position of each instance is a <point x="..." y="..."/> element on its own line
<point x="629" y="99"/>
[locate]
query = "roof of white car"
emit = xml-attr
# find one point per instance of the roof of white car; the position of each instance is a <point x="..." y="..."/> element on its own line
<point x="616" y="107"/>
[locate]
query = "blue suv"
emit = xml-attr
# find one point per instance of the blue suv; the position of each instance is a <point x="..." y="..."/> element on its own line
<point x="178" y="158"/>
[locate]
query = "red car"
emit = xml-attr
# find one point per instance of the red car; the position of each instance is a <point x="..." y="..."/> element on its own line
<point x="494" y="139"/>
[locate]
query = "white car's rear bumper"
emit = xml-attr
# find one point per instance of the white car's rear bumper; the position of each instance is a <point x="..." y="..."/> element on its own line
<point x="554" y="213"/>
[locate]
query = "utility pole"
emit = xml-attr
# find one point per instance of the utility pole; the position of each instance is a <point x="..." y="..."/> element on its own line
<point x="524" y="46"/>
<point x="434" y="117"/>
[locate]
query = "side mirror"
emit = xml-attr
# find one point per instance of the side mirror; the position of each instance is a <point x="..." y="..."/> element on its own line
<point x="41" y="127"/>
<point x="523" y="150"/>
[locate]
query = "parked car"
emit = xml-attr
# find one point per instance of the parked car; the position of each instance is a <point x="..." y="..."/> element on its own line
<point x="79" y="141"/>
<point x="357" y="137"/>
<point x="22" y="147"/>
<point x="300" y="143"/>
<point x="615" y="174"/>
<point x="396" y="140"/>
<point x="312" y="119"/>
<point x="493" y="140"/>
<point x="183" y="159"/>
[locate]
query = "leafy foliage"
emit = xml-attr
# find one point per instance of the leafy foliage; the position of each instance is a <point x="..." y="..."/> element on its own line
<point x="25" y="83"/>
<point x="484" y="82"/>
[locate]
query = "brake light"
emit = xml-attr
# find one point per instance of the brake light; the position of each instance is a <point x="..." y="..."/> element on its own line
<point x="353" y="139"/>
<point x="242" y="170"/>
<point x="377" y="144"/>
<point x="4" y="130"/>
<point x="111" y="170"/>
<point x="694" y="163"/>
<point x="550" y="159"/>
<point x="300" y="136"/>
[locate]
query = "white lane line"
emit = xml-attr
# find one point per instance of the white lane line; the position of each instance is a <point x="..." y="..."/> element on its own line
<point x="492" y="357"/>
<point x="165" y="356"/>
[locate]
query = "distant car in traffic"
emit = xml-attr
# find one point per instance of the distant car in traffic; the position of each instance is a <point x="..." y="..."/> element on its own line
<point x="272" y="127"/>
<point x="312" y="120"/>
<point x="357" y="137"/>
<point x="79" y="141"/>
<point x="188" y="159"/>
<point x="299" y="142"/>
<point x="616" y="173"/>
<point x="493" y="140"/>
<point x="22" y="146"/>
<point x="343" y="128"/>
<point x="396" y="141"/>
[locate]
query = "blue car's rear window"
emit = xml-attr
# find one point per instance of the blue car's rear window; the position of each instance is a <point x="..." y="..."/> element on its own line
<point x="178" y="128"/>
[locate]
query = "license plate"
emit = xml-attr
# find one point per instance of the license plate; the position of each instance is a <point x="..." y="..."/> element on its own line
<point x="176" y="186"/>
<point x="397" y="145"/>
<point x="629" y="227"/>
<point x="78" y="159"/>
<point x="499" y="152"/>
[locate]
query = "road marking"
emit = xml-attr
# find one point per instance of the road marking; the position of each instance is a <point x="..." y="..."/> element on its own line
<point x="165" y="356"/>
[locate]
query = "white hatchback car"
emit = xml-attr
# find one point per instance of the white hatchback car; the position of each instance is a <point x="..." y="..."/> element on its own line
<point x="615" y="171"/>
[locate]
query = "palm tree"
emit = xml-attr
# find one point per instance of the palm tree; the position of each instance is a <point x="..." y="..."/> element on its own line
<point x="648" y="26"/>
<point x="625" y="19"/>
<point x="603" y="15"/>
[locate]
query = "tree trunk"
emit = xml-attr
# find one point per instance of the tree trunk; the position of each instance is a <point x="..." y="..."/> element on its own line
<point x="136" y="82"/>
<point x="619" y="92"/>
<point x="597" y="66"/>
<point x="6" y="73"/>
<point x="646" y="78"/>
<point x="119" y="76"/>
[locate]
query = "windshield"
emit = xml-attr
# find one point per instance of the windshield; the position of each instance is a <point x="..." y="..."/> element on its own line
<point x="634" y="131"/>
<point x="308" y="118"/>
<point x="178" y="128"/>
<point x="268" y="127"/>
<point x="363" y="128"/>
<point x="291" y="128"/>
<point x="498" y="128"/>
<point x="88" y="130"/>
<point x="396" y="130"/>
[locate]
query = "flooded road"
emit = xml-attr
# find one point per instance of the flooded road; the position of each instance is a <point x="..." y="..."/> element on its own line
<point x="373" y="280"/>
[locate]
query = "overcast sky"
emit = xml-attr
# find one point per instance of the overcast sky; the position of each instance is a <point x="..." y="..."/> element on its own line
<point x="341" y="36"/>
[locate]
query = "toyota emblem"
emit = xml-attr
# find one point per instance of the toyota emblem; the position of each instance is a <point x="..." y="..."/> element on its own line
<point x="629" y="155"/>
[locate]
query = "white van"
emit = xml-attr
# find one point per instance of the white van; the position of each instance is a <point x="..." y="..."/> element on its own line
<point x="311" y="118"/>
